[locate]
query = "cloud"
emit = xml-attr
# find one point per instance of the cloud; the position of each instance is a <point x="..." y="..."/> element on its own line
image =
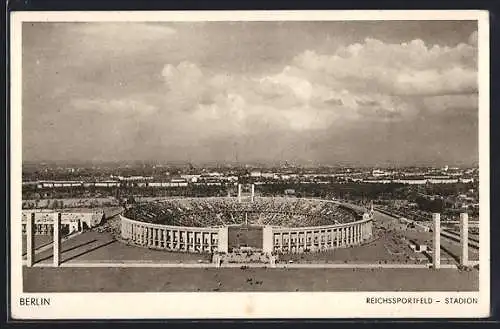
<point x="187" y="91"/>
<point x="113" y="106"/>
<point x="411" y="68"/>
<point x="446" y="103"/>
<point x="370" y="81"/>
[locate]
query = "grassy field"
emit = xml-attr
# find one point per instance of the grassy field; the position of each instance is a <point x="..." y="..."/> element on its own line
<point x="234" y="279"/>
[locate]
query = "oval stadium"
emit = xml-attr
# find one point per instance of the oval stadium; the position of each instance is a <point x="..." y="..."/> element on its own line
<point x="226" y="224"/>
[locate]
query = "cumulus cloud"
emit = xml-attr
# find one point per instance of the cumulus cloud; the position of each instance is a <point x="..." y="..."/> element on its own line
<point x="360" y="81"/>
<point x="411" y="68"/>
<point x="315" y="90"/>
<point x="370" y="81"/>
<point x="187" y="91"/>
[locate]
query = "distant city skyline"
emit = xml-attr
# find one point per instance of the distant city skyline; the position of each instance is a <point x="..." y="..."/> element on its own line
<point x="354" y="93"/>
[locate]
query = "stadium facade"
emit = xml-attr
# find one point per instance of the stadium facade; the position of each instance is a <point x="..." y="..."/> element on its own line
<point x="270" y="225"/>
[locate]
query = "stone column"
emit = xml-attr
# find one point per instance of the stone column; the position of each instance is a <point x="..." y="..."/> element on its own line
<point x="267" y="239"/>
<point x="165" y="232"/>
<point x="222" y="239"/>
<point x="168" y="239"/>
<point x="30" y="240"/>
<point x="239" y="192"/>
<point x="57" y="240"/>
<point x="178" y="245"/>
<point x="464" y="238"/>
<point x="186" y="240"/>
<point x="253" y="192"/>
<point x="436" y="217"/>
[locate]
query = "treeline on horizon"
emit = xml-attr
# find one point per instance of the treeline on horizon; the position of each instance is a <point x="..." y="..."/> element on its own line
<point x="33" y="165"/>
<point x="349" y="191"/>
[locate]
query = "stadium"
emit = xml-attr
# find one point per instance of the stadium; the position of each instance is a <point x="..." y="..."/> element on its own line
<point x="230" y="224"/>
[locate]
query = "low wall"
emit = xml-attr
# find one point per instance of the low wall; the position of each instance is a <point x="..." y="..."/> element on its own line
<point x="74" y="220"/>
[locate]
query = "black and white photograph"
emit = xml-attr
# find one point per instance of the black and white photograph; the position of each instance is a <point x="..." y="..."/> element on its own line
<point x="249" y="164"/>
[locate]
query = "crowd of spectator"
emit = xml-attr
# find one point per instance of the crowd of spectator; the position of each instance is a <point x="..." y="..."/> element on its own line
<point x="421" y="215"/>
<point x="205" y="212"/>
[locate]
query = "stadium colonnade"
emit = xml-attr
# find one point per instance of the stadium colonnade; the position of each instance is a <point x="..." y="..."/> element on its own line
<point x="274" y="238"/>
<point x="279" y="239"/>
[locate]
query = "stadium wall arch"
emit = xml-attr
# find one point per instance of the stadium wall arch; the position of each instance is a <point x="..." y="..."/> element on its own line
<point x="274" y="238"/>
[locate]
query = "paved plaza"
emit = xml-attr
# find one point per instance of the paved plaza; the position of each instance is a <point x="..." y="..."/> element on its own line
<point x="38" y="279"/>
<point x="96" y="261"/>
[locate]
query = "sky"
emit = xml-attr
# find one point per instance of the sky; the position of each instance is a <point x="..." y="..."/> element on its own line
<point x="371" y="93"/>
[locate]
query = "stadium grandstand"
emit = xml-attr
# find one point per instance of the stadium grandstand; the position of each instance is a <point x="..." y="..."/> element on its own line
<point x="206" y="212"/>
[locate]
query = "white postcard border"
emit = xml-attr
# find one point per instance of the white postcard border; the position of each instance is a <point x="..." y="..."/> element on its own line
<point x="243" y="304"/>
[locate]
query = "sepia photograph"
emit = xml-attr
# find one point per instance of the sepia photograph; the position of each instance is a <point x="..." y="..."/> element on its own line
<point x="259" y="164"/>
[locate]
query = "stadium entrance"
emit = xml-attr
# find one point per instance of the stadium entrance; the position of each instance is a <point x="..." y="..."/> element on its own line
<point x="245" y="236"/>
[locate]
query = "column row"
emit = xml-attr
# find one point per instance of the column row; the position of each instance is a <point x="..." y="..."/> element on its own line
<point x="169" y="239"/>
<point x="323" y="239"/>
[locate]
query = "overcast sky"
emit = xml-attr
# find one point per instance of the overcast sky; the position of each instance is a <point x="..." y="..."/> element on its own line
<point x="331" y="92"/>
